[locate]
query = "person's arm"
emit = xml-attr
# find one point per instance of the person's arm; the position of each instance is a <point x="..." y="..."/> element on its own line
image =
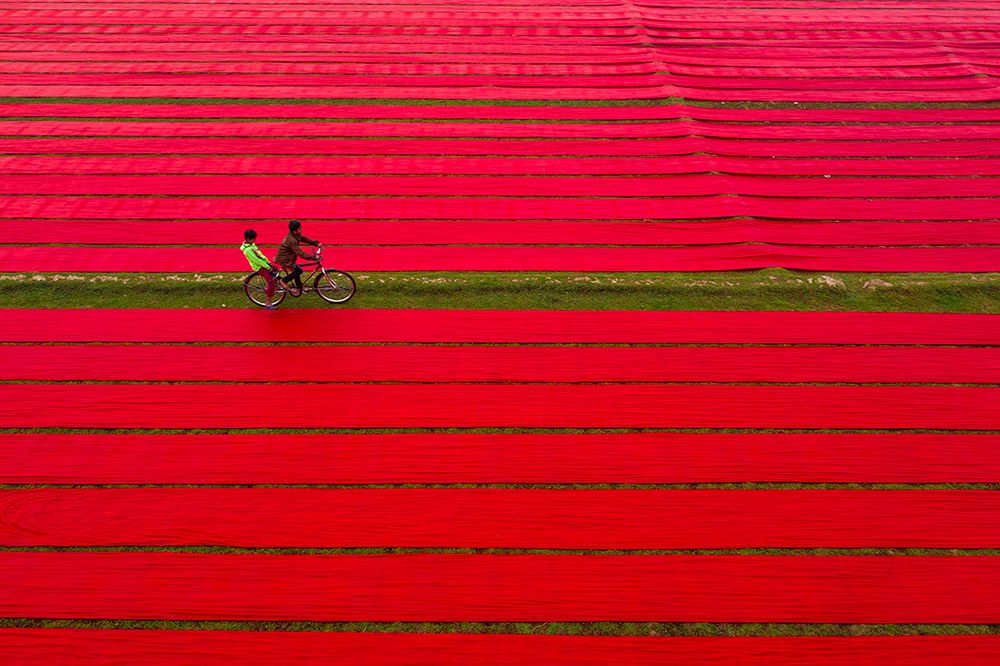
<point x="300" y="252"/>
<point x="309" y="241"/>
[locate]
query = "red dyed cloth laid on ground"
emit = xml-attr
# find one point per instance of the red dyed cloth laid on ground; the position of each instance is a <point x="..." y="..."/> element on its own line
<point x="334" y="81"/>
<point x="498" y="208"/>
<point x="500" y="518"/>
<point x="681" y="186"/>
<point x="480" y="147"/>
<point x="84" y="646"/>
<point x="511" y="90"/>
<point x="536" y="588"/>
<point x="522" y="326"/>
<point x="667" y="112"/>
<point x="509" y="405"/>
<point x="499" y="458"/>
<point x="353" y="68"/>
<point x="512" y="166"/>
<point x="371" y="130"/>
<point x="936" y="76"/>
<point x="970" y="259"/>
<point x="507" y="364"/>
<point x="451" y="232"/>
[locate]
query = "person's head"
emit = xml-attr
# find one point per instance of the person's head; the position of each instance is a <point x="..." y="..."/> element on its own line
<point x="249" y="235"/>
<point x="295" y="227"/>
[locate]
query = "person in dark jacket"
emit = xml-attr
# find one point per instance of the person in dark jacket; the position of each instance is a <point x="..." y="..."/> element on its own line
<point x="289" y="253"/>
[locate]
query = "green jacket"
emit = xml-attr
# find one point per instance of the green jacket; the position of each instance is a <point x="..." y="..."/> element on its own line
<point x="255" y="256"/>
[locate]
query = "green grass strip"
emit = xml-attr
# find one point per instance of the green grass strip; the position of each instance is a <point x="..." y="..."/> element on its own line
<point x="769" y="289"/>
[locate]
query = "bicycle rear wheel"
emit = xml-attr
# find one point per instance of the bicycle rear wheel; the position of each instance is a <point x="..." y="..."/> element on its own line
<point x="255" y="287"/>
<point x="334" y="286"/>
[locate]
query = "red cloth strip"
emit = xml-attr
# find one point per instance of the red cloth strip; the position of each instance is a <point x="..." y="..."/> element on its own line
<point x="285" y="68"/>
<point x="685" y="186"/>
<point x="509" y="90"/>
<point x="500" y="518"/>
<point x="330" y="83"/>
<point x="487" y="147"/>
<point x="297" y="44"/>
<point x="646" y="457"/>
<point x="524" y="326"/>
<point x="671" y="112"/>
<point x="373" y="130"/>
<point x="491" y="91"/>
<point x="507" y="405"/>
<point x="971" y="259"/>
<point x="509" y="208"/>
<point x="515" y="232"/>
<point x="515" y="364"/>
<point x="552" y="166"/>
<point x="725" y="72"/>
<point x="457" y="587"/>
<point x="84" y="646"/>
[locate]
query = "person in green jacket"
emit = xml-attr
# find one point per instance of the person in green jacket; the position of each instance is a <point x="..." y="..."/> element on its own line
<point x="260" y="263"/>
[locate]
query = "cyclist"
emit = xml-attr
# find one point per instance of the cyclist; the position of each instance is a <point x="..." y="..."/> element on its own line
<point x="260" y="263"/>
<point x="289" y="252"/>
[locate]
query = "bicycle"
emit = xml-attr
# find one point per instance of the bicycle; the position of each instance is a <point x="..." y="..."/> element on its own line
<point x="332" y="285"/>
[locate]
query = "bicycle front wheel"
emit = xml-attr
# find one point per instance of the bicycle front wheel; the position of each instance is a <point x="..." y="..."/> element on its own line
<point x="334" y="286"/>
<point x="255" y="287"/>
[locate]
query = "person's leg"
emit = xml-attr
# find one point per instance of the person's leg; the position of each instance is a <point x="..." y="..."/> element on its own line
<point x="269" y="290"/>
<point x="297" y="276"/>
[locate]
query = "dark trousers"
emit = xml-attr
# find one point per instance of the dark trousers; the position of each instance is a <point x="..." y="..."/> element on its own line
<point x="294" y="276"/>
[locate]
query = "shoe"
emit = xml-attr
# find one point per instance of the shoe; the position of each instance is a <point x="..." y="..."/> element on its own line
<point x="270" y="307"/>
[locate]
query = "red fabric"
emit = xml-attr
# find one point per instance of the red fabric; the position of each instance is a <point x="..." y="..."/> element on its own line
<point x="487" y="90"/>
<point x="511" y="91"/>
<point x="970" y="259"/>
<point x="528" y="588"/>
<point x="576" y="147"/>
<point x="525" y="326"/>
<point x="368" y="129"/>
<point x="508" y="405"/>
<point x="447" y="232"/>
<point x="507" y="364"/>
<point x="500" y="518"/>
<point x="666" y="112"/>
<point x="84" y="646"/>
<point x="539" y="166"/>
<point x="519" y="186"/>
<point x="646" y="457"/>
<point x="266" y="69"/>
<point x="497" y="208"/>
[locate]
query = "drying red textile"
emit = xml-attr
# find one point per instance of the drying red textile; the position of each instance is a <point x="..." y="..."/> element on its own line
<point x="474" y="147"/>
<point x="72" y="646"/>
<point x="491" y="91"/>
<point x="517" y="232"/>
<point x="507" y="405"/>
<point x="969" y="259"/>
<point x="367" y="363"/>
<point x="528" y="588"/>
<point x="480" y="130"/>
<point x="84" y="646"/>
<point x="500" y="518"/>
<point x="520" y="186"/>
<point x="666" y="112"/>
<point x="404" y="165"/>
<point x="524" y="326"/>
<point x="647" y="457"/>
<point x="511" y="91"/>
<point x="497" y="208"/>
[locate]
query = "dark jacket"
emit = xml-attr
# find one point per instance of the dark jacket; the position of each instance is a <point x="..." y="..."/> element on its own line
<point x="289" y="250"/>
